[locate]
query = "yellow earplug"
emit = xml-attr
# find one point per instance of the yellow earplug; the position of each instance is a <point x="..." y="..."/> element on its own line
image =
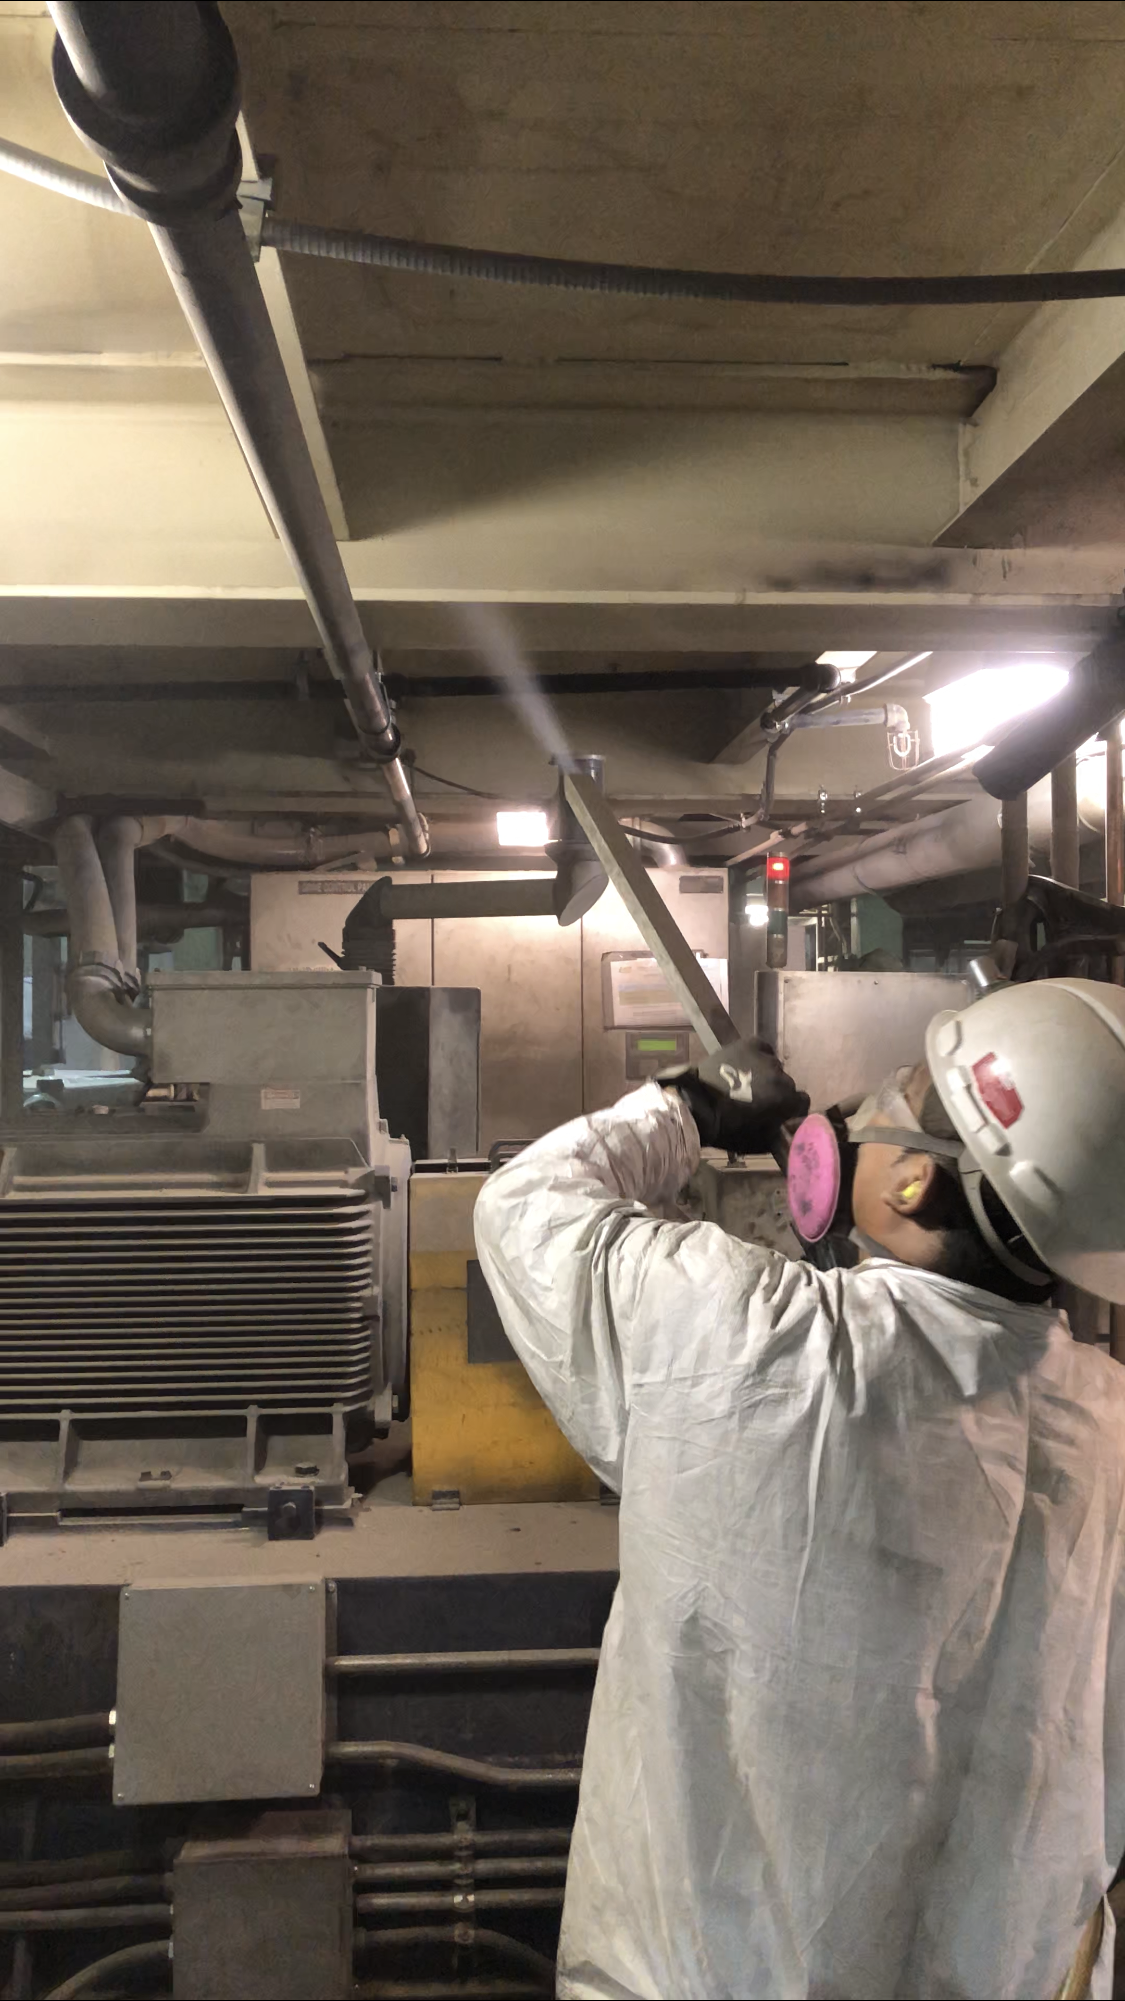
<point x="914" y="1189"/>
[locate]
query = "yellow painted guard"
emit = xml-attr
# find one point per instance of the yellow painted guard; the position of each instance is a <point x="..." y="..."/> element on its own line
<point x="478" y="1427"/>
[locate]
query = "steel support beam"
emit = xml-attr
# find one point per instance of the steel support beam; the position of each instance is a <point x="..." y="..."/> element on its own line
<point x="1013" y="849"/>
<point x="1064" y="822"/>
<point x="11" y="994"/>
<point x="1057" y="356"/>
<point x="649" y="912"/>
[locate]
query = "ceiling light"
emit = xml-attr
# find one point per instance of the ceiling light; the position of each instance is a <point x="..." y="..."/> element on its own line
<point x="966" y="712"/>
<point x="522" y="830"/>
<point x="847" y="664"/>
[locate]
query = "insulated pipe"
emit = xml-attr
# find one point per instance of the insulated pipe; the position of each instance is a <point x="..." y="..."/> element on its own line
<point x="117" y="844"/>
<point x="293" y="848"/>
<point x="964" y="837"/>
<point x="95" y="980"/>
<point x="153" y="89"/>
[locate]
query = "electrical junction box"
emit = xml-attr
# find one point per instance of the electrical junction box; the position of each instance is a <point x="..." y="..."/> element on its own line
<point x="264" y="1913"/>
<point x="220" y="1692"/>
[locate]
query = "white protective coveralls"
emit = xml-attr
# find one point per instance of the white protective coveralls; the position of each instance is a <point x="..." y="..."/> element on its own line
<point x="859" y="1724"/>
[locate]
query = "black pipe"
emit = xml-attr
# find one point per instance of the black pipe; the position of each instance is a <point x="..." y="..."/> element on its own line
<point x="822" y="681"/>
<point x="446" y="1900"/>
<point x="484" y="1841"/>
<point x="133" y="70"/>
<point x="56" y="1733"/>
<point x="674" y="680"/>
<point x="481" y="1771"/>
<point x="153" y="89"/>
<point x="1093" y="696"/>
<point x="78" y="1868"/>
<point x="90" y="1918"/>
<point x="440" y="1869"/>
<point x="96" y="1890"/>
<point x="56" y="1765"/>
<point x="506" y="1660"/>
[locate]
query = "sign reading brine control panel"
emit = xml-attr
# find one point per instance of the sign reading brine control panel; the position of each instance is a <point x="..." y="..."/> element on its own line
<point x="635" y="993"/>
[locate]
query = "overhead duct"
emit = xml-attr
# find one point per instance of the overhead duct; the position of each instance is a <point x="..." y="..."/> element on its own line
<point x="279" y="845"/>
<point x="963" y="837"/>
<point x="1092" y="698"/>
<point x="153" y="90"/>
<point x="960" y="839"/>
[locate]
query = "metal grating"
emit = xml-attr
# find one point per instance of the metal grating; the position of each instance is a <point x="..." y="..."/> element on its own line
<point x="202" y="1304"/>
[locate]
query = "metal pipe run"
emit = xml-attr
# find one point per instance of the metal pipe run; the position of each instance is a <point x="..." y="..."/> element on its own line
<point x="95" y="1890"/>
<point x="401" y="1901"/>
<point x="77" y="1869"/>
<point x="92" y="1918"/>
<point x="153" y="90"/>
<point x="654" y="681"/>
<point x="57" y="1765"/>
<point x="483" y="1841"/>
<point x="57" y="1733"/>
<point x="420" y="1757"/>
<point x="506" y="1660"/>
<point x="435" y="1870"/>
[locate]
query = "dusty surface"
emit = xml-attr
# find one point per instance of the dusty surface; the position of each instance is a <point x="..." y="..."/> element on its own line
<point x="387" y="1537"/>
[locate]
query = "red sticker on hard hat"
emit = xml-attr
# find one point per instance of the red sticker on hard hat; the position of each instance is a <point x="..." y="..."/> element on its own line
<point x="997" y="1091"/>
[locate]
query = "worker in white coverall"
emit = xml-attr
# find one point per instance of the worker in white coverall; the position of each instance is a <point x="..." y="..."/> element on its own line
<point x="859" y="1724"/>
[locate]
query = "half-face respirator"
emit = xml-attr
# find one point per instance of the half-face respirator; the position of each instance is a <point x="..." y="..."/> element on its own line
<point x="822" y="1163"/>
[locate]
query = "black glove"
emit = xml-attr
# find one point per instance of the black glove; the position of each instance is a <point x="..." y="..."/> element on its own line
<point x="740" y="1097"/>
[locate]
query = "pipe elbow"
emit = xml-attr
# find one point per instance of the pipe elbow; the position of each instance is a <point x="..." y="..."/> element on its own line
<point x="107" y="1015"/>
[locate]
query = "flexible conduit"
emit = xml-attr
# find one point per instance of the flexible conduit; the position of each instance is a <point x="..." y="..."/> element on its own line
<point x="577" y="274"/>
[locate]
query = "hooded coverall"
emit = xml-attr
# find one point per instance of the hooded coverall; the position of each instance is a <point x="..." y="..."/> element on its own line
<point x="859" y="1723"/>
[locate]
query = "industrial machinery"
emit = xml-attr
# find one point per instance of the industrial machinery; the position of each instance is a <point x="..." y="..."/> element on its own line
<point x="277" y="1717"/>
<point x="204" y="1299"/>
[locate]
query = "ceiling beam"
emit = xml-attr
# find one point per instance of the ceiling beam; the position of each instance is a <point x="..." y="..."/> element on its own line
<point x="1054" y="360"/>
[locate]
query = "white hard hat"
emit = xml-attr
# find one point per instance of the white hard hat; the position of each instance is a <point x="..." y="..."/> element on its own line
<point x="1033" y="1078"/>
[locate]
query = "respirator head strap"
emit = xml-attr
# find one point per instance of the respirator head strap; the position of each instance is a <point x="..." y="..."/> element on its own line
<point x="910" y="1140"/>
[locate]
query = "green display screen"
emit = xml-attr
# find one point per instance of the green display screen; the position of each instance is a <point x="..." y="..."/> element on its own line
<point x="654" y="1045"/>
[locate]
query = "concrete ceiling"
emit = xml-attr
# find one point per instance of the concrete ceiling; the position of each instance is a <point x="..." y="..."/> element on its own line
<point x="891" y="136"/>
<point x="667" y="480"/>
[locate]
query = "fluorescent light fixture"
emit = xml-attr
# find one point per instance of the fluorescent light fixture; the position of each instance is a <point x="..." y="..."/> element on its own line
<point x="848" y="664"/>
<point x="757" y="914"/>
<point x="968" y="711"/>
<point x="522" y="830"/>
